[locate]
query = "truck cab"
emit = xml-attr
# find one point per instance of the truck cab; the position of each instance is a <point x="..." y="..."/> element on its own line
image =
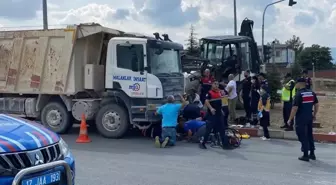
<point x="141" y="71"/>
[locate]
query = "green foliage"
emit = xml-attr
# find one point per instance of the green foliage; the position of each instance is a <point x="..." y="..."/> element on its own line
<point x="274" y="83"/>
<point x="192" y="43"/>
<point x="296" y="44"/>
<point x="321" y="56"/>
<point x="296" y="70"/>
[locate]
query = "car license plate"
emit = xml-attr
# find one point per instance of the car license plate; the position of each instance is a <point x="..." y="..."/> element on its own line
<point x="44" y="179"/>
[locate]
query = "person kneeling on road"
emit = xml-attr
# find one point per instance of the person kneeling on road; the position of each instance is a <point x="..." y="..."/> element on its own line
<point x="214" y="116"/>
<point x="195" y="129"/>
<point x="169" y="112"/>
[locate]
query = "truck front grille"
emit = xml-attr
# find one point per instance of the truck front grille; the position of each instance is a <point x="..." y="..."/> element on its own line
<point x="31" y="158"/>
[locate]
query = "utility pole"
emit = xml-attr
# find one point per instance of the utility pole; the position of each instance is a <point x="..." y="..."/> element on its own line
<point x="45" y="14"/>
<point x="290" y="3"/>
<point x="235" y="17"/>
<point x="263" y="23"/>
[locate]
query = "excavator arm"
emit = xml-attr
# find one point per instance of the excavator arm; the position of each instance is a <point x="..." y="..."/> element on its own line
<point x="246" y="29"/>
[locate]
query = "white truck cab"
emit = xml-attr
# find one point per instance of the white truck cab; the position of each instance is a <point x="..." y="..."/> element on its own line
<point x="141" y="71"/>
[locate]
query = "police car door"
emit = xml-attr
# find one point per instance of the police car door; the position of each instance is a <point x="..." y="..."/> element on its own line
<point x="129" y="70"/>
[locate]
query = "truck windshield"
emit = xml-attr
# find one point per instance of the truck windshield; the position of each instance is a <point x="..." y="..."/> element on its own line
<point x="167" y="62"/>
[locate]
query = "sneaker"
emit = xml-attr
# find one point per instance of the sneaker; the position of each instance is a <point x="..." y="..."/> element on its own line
<point x="165" y="142"/>
<point x="157" y="142"/>
<point x="265" y="138"/>
<point x="202" y="146"/>
<point x="247" y="125"/>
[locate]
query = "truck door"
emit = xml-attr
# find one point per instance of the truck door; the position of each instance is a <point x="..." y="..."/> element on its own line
<point x="128" y="71"/>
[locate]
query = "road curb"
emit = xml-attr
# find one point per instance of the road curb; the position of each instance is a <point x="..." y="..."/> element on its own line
<point x="288" y="135"/>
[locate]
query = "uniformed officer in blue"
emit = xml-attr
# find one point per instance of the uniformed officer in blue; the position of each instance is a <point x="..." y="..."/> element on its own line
<point x="305" y="102"/>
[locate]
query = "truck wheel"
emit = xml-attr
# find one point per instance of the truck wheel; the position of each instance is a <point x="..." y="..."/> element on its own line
<point x="112" y="121"/>
<point x="56" y="117"/>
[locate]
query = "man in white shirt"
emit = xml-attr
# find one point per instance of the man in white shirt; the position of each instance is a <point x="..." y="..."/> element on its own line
<point x="231" y="88"/>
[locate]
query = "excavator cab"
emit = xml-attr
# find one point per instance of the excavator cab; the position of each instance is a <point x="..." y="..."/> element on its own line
<point x="228" y="54"/>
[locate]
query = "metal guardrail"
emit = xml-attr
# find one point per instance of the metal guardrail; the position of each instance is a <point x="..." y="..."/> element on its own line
<point x="42" y="167"/>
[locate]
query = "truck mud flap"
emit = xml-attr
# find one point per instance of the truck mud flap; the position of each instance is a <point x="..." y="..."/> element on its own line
<point x="42" y="167"/>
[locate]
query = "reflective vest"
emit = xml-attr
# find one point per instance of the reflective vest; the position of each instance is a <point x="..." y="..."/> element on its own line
<point x="285" y="95"/>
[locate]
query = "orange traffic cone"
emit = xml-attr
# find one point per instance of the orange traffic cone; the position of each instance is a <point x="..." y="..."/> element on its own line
<point x="83" y="133"/>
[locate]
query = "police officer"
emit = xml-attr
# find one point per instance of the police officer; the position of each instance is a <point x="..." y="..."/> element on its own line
<point x="214" y="116"/>
<point x="307" y="79"/>
<point x="305" y="102"/>
<point x="287" y="94"/>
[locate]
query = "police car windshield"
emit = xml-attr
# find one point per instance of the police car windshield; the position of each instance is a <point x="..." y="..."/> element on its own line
<point x="167" y="62"/>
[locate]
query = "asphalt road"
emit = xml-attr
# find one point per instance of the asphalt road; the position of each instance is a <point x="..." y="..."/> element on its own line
<point x="135" y="161"/>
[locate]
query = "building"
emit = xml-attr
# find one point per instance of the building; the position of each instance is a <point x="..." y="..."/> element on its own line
<point x="282" y="54"/>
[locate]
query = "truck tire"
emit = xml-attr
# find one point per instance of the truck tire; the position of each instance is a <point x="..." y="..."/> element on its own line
<point x="112" y="121"/>
<point x="56" y="117"/>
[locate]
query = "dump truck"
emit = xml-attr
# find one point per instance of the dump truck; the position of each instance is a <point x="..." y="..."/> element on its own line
<point x="114" y="78"/>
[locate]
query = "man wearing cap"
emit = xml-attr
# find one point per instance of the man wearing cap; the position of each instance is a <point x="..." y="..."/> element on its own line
<point x="287" y="94"/>
<point x="305" y="102"/>
<point x="169" y="112"/>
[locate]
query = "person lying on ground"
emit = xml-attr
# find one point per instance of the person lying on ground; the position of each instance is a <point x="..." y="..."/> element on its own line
<point x="170" y="112"/>
<point x="194" y="129"/>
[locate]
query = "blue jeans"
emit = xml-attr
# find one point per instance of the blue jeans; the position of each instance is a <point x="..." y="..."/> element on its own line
<point x="169" y="132"/>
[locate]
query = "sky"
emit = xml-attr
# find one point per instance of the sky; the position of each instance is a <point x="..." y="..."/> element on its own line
<point x="314" y="21"/>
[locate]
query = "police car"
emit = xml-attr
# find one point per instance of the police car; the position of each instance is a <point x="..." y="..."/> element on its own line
<point x="30" y="154"/>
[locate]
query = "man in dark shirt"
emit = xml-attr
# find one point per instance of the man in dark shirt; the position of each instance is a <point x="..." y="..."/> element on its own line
<point x="263" y="82"/>
<point x="246" y="93"/>
<point x="214" y="116"/>
<point x="305" y="101"/>
<point x="307" y="79"/>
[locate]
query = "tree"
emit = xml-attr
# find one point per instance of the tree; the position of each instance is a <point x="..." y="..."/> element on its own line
<point x="274" y="78"/>
<point x="192" y="43"/>
<point x="321" y="56"/>
<point x="296" y="70"/>
<point x="275" y="41"/>
<point x="295" y="43"/>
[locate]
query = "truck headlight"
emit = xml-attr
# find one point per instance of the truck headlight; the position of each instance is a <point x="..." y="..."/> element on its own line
<point x="64" y="147"/>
